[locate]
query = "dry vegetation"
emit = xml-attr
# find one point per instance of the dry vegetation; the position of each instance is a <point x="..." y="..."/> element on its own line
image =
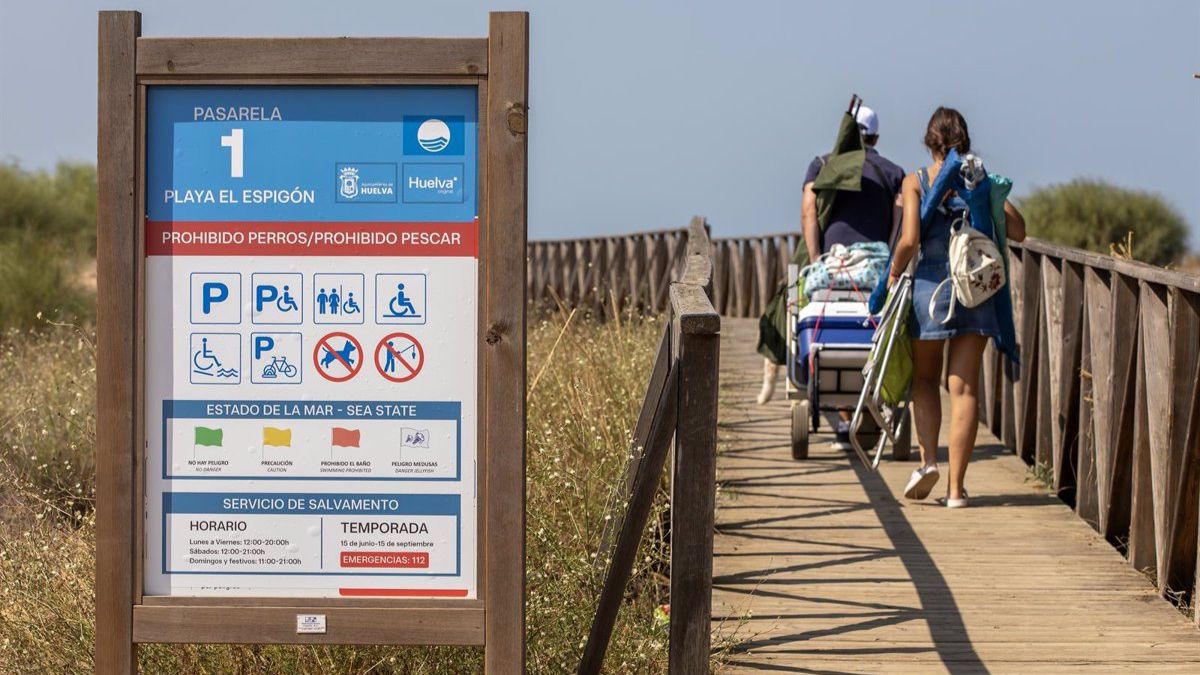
<point x="580" y="417"/>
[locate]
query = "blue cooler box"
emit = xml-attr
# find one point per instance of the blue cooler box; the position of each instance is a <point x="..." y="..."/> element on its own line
<point x="843" y="342"/>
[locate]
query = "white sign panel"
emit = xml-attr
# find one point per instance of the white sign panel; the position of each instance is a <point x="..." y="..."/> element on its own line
<point x="311" y="342"/>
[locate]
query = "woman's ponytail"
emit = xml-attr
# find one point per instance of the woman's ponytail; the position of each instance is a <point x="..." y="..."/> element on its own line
<point x="947" y="130"/>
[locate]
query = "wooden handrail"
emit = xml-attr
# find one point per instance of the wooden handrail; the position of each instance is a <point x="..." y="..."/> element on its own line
<point x="1107" y="396"/>
<point x="634" y="270"/>
<point x="696" y="343"/>
<point x="635" y="234"/>
<point x="630" y="271"/>
<point x="1135" y="269"/>
<point x="680" y="404"/>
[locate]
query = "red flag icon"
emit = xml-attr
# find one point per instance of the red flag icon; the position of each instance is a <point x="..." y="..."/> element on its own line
<point x="346" y="438"/>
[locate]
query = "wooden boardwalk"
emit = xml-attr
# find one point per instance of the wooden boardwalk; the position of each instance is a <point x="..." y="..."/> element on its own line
<point x="821" y="567"/>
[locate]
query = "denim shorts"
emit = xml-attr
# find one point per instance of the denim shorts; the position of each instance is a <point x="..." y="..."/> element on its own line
<point x="933" y="269"/>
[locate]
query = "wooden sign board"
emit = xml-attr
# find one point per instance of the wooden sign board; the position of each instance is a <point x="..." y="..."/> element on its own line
<point x="311" y="374"/>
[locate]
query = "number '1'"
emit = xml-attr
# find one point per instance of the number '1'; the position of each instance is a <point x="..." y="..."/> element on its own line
<point x="234" y="142"/>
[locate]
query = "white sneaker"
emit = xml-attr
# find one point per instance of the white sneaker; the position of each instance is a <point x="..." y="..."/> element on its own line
<point x="960" y="503"/>
<point x="768" y="386"/>
<point x="841" y="437"/>
<point x="921" y="483"/>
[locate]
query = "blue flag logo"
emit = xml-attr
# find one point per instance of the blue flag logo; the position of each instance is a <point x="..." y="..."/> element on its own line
<point x="433" y="135"/>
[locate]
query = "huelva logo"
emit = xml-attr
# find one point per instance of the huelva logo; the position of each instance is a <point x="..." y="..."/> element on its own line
<point x="433" y="135"/>
<point x="433" y="183"/>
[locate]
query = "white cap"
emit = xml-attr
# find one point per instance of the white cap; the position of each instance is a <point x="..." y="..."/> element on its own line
<point x="867" y="120"/>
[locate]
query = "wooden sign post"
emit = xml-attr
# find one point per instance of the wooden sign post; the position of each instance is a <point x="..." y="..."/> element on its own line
<point x="311" y="340"/>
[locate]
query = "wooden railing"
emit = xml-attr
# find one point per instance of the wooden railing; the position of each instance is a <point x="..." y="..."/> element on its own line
<point x="598" y="273"/>
<point x="1108" y="399"/>
<point x="680" y="404"/>
<point x="747" y="271"/>
<point x="636" y="270"/>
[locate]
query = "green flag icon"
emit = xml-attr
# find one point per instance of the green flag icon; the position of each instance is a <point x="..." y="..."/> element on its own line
<point x="206" y="436"/>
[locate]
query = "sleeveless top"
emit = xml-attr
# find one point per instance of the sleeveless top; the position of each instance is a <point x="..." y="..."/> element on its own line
<point x="933" y="267"/>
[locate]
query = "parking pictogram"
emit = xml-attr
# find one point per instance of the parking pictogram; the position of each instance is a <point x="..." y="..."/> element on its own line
<point x="399" y="357"/>
<point x="337" y="356"/>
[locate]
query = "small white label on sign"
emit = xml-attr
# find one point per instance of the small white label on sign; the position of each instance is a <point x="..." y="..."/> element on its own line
<point x="310" y="623"/>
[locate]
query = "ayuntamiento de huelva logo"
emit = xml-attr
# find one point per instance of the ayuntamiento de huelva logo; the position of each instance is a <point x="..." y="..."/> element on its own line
<point x="433" y="135"/>
<point x="366" y="182"/>
<point x="348" y="182"/>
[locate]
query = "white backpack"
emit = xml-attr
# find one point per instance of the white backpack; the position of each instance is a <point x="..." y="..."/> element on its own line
<point x="976" y="270"/>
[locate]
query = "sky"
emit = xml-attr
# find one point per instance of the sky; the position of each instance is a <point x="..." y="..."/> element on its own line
<point x="643" y="113"/>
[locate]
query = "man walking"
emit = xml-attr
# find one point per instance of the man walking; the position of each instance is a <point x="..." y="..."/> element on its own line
<point x="850" y="196"/>
<point x="870" y="214"/>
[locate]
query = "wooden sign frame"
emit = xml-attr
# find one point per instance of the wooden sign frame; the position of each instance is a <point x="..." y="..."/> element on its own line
<point x="128" y="63"/>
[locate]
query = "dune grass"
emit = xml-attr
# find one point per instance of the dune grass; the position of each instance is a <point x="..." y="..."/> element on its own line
<point x="590" y="378"/>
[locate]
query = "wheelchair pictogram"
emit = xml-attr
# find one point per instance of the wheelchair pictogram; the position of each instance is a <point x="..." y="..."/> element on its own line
<point x="401" y="305"/>
<point x="215" y="358"/>
<point x="400" y="298"/>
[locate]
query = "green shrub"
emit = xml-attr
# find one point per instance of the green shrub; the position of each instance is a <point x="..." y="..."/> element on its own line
<point x="47" y="242"/>
<point x="1094" y="215"/>
<point x="59" y="206"/>
<point x="41" y="277"/>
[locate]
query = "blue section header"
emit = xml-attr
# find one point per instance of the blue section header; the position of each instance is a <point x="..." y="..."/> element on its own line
<point x="312" y="410"/>
<point x="305" y="153"/>
<point x="291" y="503"/>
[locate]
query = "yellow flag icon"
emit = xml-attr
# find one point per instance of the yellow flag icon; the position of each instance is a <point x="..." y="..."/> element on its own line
<point x="278" y="437"/>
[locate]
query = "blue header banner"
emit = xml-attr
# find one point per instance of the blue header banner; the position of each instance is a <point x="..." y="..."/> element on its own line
<point x="311" y="410"/>
<point x="291" y="503"/>
<point x="312" y="154"/>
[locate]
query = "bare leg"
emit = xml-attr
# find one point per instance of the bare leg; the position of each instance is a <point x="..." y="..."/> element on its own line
<point x="926" y="397"/>
<point x="966" y="353"/>
<point x="768" y="384"/>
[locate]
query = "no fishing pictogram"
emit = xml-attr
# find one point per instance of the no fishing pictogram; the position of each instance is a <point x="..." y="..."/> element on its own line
<point x="338" y="356"/>
<point x="399" y="357"/>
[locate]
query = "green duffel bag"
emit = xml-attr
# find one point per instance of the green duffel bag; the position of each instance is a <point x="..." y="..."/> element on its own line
<point x="772" y="325"/>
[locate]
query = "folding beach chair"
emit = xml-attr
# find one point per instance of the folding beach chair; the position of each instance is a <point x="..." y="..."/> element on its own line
<point x="884" y="403"/>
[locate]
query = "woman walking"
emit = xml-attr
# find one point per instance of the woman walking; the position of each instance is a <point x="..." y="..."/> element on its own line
<point x="967" y="331"/>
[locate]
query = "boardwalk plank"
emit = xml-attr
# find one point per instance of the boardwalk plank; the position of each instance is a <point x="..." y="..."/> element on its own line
<point x="820" y="567"/>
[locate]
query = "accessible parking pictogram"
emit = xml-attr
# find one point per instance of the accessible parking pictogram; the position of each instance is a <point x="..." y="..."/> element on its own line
<point x="337" y="356"/>
<point x="399" y="357"/>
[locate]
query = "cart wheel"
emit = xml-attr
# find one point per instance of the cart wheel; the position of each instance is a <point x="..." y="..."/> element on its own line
<point x="801" y="419"/>
<point x="902" y="450"/>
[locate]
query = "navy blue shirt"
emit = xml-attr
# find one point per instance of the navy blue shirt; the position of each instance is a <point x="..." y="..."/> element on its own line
<point x="866" y="215"/>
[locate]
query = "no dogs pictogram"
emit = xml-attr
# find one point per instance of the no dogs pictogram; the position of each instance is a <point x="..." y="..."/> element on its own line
<point x="399" y="357"/>
<point x="338" y="356"/>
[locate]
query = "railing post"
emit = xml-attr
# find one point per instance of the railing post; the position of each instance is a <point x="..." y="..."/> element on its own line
<point x="1032" y="348"/>
<point x="696" y="342"/>
<point x="693" y="485"/>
